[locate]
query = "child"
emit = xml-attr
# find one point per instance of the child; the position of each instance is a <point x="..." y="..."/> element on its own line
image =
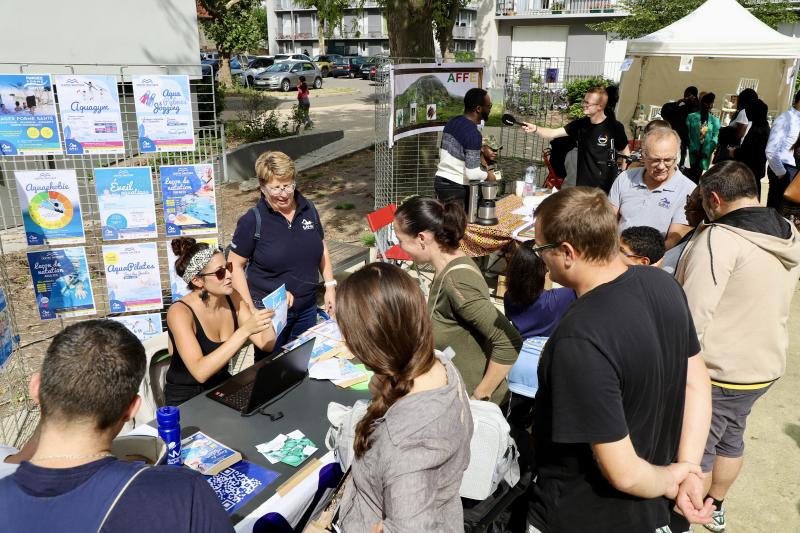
<point x="641" y="245"/>
<point x="303" y="103"/>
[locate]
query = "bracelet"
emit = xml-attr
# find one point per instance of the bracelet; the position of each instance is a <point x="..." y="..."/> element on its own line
<point x="331" y="283"/>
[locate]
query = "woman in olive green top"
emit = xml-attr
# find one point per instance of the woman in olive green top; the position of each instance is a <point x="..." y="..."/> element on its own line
<point x="486" y="344"/>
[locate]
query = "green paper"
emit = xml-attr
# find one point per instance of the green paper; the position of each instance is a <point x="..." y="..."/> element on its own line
<point x="364" y="385"/>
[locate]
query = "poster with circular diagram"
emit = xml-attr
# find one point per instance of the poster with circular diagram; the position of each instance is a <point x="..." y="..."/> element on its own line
<point x="51" y="206"/>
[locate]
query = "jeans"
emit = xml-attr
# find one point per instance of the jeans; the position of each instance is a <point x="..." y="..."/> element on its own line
<point x="298" y="321"/>
<point x="778" y="186"/>
<point x="449" y="191"/>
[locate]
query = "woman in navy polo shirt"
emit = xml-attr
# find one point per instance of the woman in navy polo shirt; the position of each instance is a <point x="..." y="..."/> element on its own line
<point x="290" y="248"/>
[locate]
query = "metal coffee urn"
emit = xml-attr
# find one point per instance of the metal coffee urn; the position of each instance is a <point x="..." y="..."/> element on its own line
<point x="486" y="214"/>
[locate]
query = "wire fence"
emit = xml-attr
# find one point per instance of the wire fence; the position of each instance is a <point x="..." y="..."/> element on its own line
<point x="18" y="416"/>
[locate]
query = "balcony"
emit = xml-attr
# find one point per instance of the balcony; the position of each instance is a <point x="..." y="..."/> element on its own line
<point x="508" y="9"/>
<point x="290" y="5"/>
<point x="464" y="32"/>
<point x="473" y="6"/>
<point x="296" y="36"/>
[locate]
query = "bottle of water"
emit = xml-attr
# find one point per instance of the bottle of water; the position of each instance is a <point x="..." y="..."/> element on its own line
<point x="169" y="429"/>
<point x="530" y="182"/>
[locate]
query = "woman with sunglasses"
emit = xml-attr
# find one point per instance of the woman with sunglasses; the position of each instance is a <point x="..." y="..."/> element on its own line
<point x="464" y="318"/>
<point x="210" y="325"/>
<point x="280" y="241"/>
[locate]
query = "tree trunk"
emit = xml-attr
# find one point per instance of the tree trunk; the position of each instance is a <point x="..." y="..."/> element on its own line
<point x="406" y="21"/>
<point x="444" y="34"/>
<point x="225" y="77"/>
<point x="321" y="35"/>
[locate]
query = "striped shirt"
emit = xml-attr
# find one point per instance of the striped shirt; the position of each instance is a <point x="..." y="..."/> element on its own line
<point x="460" y="152"/>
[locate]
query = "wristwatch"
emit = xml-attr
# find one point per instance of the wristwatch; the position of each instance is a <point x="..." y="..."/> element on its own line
<point x="331" y="283"/>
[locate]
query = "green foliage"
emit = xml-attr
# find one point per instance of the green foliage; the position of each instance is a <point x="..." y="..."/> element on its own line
<point x="330" y="12"/>
<point x="577" y="89"/>
<point x="367" y="239"/>
<point x="347" y="206"/>
<point x="647" y="16"/>
<point x="237" y="28"/>
<point x="258" y="122"/>
<point x="465" y="55"/>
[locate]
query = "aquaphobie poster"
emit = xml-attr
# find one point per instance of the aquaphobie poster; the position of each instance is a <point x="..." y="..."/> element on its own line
<point x="28" y="120"/>
<point x="133" y="278"/>
<point x="61" y="282"/>
<point x="51" y="206"/>
<point x="126" y="203"/>
<point x="189" y="199"/>
<point x="90" y="114"/>
<point x="163" y="113"/>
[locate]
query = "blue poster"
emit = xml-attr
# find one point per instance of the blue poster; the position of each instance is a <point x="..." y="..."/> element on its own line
<point x="6" y="331"/>
<point x="61" y="282"/>
<point x="144" y="326"/>
<point x="163" y="113"/>
<point x="51" y="206"/>
<point x="237" y="484"/>
<point x="189" y="199"/>
<point x="126" y="203"/>
<point x="28" y="121"/>
<point x="133" y="278"/>
<point x="90" y="114"/>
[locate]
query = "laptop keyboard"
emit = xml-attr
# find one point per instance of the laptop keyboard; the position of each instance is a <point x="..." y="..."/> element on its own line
<point x="239" y="399"/>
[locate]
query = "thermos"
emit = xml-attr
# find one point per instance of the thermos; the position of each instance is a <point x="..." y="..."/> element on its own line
<point x="169" y="429"/>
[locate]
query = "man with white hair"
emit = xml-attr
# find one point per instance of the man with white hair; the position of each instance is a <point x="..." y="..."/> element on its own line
<point x="654" y="195"/>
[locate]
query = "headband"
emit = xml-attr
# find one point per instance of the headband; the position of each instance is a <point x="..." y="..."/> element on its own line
<point x="198" y="262"/>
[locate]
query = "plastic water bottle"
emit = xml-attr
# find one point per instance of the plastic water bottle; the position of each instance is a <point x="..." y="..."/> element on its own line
<point x="169" y="429"/>
<point x="530" y="182"/>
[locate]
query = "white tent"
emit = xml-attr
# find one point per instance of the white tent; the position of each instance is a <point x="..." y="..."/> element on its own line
<point x="727" y="43"/>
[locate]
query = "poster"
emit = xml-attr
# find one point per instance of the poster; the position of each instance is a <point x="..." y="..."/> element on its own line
<point x="177" y="286"/>
<point x="133" y="279"/>
<point x="189" y="201"/>
<point x="126" y="203"/>
<point x="425" y="96"/>
<point x="90" y="114"/>
<point x="61" y="283"/>
<point x="6" y="331"/>
<point x="163" y="113"/>
<point x="144" y="326"/>
<point x="51" y="206"/>
<point x="687" y="63"/>
<point x="28" y="121"/>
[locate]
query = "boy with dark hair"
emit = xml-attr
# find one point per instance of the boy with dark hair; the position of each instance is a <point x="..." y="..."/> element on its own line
<point x="87" y="389"/>
<point x="641" y="245"/>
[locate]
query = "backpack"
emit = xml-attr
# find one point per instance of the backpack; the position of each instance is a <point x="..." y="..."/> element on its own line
<point x="342" y="433"/>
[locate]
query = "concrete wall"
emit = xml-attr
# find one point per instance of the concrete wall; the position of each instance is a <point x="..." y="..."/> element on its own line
<point x="117" y="32"/>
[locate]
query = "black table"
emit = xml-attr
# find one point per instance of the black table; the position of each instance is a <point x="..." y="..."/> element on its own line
<point x="304" y="408"/>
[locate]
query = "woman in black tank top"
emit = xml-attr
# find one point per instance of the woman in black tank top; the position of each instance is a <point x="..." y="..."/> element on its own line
<point x="208" y="326"/>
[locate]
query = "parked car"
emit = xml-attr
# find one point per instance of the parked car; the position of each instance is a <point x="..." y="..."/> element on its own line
<point x="366" y="68"/>
<point x="239" y="63"/>
<point x="257" y="65"/>
<point x="285" y="75"/>
<point x="347" y="66"/>
<point x="211" y="59"/>
<point x="325" y="63"/>
<point x="375" y="69"/>
<point x="292" y="57"/>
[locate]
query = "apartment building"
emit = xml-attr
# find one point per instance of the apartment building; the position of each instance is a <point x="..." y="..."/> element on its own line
<point x="294" y="28"/>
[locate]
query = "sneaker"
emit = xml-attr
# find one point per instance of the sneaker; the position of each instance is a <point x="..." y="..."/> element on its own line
<point x="717" y="521"/>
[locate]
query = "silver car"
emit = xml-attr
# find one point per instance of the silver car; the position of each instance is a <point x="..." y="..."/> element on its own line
<point x="285" y="75"/>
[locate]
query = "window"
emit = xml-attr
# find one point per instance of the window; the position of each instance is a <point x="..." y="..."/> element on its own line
<point x="308" y="66"/>
<point x="296" y="68"/>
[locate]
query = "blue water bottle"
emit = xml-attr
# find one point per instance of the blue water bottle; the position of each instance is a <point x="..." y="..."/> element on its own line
<point x="169" y="429"/>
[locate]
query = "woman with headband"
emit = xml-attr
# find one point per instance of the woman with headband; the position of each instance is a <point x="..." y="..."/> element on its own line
<point x="211" y="324"/>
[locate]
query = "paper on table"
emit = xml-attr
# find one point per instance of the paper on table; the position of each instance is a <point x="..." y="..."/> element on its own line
<point x="524" y="211"/>
<point x="278" y="302"/>
<point x="291" y="449"/>
<point x="328" y="369"/>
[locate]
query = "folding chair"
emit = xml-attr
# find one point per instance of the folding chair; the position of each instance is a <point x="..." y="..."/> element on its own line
<point x="747" y="83"/>
<point x="380" y="222"/>
<point x="552" y="179"/>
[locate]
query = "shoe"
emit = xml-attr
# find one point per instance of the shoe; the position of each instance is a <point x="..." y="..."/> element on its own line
<point x="717" y="521"/>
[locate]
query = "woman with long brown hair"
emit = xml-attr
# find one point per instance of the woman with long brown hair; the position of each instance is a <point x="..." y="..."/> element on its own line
<point x="412" y="446"/>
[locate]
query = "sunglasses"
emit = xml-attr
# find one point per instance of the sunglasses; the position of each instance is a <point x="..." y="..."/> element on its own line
<point x="220" y="272"/>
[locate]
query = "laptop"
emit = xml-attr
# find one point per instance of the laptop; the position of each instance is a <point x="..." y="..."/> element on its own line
<point x="255" y="386"/>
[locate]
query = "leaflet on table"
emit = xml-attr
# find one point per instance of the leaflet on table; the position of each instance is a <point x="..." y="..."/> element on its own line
<point x="61" y="282"/>
<point x="526" y="232"/>
<point x="206" y="455"/>
<point x="177" y="286"/>
<point x="51" y="206"/>
<point x="336" y="370"/>
<point x="90" y="114"/>
<point x="144" y="326"/>
<point x="189" y="199"/>
<point x="277" y="301"/>
<point x="291" y="449"/>
<point x="238" y="484"/>
<point x="28" y="120"/>
<point x="6" y="330"/>
<point x="126" y="203"/>
<point x="163" y="113"/>
<point x="133" y="278"/>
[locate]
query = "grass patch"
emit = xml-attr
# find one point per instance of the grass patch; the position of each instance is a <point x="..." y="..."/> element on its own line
<point x="496" y="115"/>
<point x="347" y="206"/>
<point x="367" y="239"/>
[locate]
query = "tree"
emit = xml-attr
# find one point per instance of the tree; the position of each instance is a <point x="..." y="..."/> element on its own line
<point x="647" y="16"/>
<point x="406" y="20"/>
<point x="235" y="27"/>
<point x="329" y="16"/>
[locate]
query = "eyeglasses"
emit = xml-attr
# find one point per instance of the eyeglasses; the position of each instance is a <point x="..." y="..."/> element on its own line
<point x="666" y="161"/>
<point x="626" y="254"/>
<point x="220" y="272"/>
<point x="537" y="250"/>
<point x="283" y="189"/>
<point x="590" y="104"/>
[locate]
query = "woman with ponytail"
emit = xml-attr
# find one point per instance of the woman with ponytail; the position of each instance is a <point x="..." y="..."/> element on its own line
<point x="412" y="446"/>
<point x="213" y="310"/>
<point x="464" y="318"/>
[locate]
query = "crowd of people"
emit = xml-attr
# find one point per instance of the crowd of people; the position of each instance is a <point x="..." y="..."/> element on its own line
<point x="627" y="386"/>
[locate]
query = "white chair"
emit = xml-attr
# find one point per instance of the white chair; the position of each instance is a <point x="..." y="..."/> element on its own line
<point x="747" y="83"/>
<point x="152" y="387"/>
<point x="655" y="112"/>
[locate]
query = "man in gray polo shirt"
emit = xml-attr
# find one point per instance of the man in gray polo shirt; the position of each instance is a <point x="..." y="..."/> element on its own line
<point x="654" y="195"/>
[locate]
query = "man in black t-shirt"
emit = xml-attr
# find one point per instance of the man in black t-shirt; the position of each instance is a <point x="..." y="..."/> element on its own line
<point x="624" y="400"/>
<point x="599" y="138"/>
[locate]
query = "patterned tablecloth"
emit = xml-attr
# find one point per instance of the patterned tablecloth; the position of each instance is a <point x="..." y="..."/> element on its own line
<point x="483" y="240"/>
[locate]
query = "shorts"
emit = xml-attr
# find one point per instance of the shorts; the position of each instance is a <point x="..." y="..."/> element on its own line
<point x="729" y="410"/>
<point x="665" y="529"/>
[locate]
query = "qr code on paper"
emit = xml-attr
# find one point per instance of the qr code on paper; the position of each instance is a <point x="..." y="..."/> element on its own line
<point x="232" y="487"/>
